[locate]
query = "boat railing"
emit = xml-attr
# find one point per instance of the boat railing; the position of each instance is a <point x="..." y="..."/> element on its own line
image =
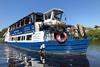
<point x="71" y="35"/>
<point x="49" y="36"/>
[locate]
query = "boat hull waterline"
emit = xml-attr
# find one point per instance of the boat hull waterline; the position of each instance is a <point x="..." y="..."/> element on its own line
<point x="53" y="47"/>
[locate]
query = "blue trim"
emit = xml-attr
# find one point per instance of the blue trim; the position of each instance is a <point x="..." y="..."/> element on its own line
<point x="22" y="30"/>
<point x="76" y="46"/>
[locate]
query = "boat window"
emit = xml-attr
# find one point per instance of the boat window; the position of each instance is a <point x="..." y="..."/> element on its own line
<point x="13" y="27"/>
<point x="39" y="17"/>
<point x="29" y="37"/>
<point x="39" y="27"/>
<point x="26" y="20"/>
<point x="19" y="38"/>
<point x="10" y="28"/>
<point x="12" y="38"/>
<point x="23" y="38"/>
<point x="22" y="22"/>
<point x="32" y="18"/>
<point x="18" y="25"/>
<point x="57" y="16"/>
<point x="47" y="16"/>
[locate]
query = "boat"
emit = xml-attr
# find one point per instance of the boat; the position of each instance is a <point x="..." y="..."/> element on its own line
<point x="47" y="32"/>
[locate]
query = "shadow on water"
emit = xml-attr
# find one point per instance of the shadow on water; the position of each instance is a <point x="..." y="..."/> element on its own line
<point x="19" y="58"/>
<point x="93" y="53"/>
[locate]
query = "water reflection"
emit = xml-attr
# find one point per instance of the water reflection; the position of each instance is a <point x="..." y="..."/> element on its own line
<point x="20" y="58"/>
<point x="67" y="61"/>
<point x="93" y="53"/>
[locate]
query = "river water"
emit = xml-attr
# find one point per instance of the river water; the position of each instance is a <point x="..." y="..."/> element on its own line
<point x="14" y="57"/>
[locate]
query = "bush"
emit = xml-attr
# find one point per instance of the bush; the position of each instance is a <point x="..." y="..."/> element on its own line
<point x="94" y="33"/>
<point x="3" y="32"/>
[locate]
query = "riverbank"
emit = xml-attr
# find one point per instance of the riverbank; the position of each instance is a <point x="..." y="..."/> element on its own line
<point x="94" y="34"/>
<point x="1" y="39"/>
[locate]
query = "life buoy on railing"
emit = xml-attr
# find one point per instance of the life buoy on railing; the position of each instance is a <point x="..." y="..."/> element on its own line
<point x="58" y="37"/>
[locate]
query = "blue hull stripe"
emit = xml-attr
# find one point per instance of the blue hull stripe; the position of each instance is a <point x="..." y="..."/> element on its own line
<point x="76" y="46"/>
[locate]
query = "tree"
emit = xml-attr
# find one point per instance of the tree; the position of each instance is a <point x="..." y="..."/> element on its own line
<point x="3" y="32"/>
<point x="94" y="33"/>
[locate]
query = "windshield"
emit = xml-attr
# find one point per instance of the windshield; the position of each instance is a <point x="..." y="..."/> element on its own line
<point x="57" y="16"/>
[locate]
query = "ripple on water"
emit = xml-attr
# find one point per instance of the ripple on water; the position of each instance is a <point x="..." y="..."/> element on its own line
<point x="15" y="57"/>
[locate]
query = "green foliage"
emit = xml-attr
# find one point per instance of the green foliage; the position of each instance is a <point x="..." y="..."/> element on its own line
<point x="3" y="32"/>
<point x="94" y="33"/>
<point x="56" y="28"/>
<point x="1" y="35"/>
<point x="61" y="24"/>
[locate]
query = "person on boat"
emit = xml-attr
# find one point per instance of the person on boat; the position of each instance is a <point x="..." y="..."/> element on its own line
<point x="76" y="34"/>
<point x="72" y="33"/>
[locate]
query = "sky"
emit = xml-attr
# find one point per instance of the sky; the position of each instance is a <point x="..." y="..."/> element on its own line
<point x="85" y="12"/>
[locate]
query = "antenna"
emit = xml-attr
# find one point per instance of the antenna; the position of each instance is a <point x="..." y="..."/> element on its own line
<point x="65" y="19"/>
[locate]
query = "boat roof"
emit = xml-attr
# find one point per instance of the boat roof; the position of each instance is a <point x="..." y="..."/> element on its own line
<point x="25" y="17"/>
<point x="55" y="9"/>
<point x="48" y="12"/>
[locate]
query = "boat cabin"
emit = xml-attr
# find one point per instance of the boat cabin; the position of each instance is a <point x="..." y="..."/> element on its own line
<point x="53" y="16"/>
<point x="36" y="25"/>
<point x="26" y="24"/>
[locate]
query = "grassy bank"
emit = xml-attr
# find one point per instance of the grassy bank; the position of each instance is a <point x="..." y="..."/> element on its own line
<point x="94" y="33"/>
<point x="2" y="32"/>
<point x="1" y="39"/>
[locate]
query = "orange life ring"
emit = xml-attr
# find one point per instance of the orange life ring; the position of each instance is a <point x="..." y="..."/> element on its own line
<point x="61" y="40"/>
